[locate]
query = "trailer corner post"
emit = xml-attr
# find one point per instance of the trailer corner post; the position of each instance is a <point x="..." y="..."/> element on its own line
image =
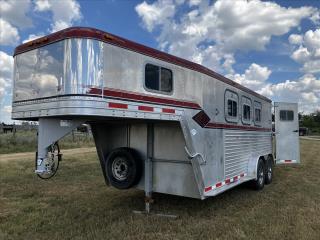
<point x="148" y="167"/>
<point x="49" y="132"/>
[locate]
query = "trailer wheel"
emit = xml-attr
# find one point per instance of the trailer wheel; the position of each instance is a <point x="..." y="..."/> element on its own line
<point x="123" y="168"/>
<point x="258" y="184"/>
<point x="269" y="170"/>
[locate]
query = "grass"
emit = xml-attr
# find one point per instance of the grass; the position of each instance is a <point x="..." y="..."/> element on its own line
<point x="76" y="204"/>
<point x="26" y="141"/>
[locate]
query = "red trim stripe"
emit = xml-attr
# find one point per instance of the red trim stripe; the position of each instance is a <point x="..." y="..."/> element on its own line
<point x="145" y="108"/>
<point x="227" y="181"/>
<point x="287" y="161"/>
<point x="168" y="110"/>
<point x="235" y="178"/>
<point x="123" y="95"/>
<point x="118" y="105"/>
<point x="82" y="32"/>
<point x="219" y="184"/>
<point x="207" y="189"/>
<point x="242" y="175"/>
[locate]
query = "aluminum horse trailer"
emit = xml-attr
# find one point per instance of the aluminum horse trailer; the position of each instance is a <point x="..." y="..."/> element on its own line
<point x="160" y="123"/>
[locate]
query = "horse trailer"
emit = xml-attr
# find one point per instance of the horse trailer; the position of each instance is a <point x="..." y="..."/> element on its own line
<point x="160" y="123"/>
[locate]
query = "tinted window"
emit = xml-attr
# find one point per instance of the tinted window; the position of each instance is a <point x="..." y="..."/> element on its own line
<point x="166" y="80"/>
<point x="257" y="115"/>
<point x="158" y="78"/>
<point x="286" y="115"/>
<point x="152" y="77"/>
<point x="232" y="108"/>
<point x="246" y="112"/>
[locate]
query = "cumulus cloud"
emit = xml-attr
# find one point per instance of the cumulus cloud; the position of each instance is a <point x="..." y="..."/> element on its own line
<point x="15" y="12"/>
<point x="6" y="69"/>
<point x="157" y="13"/>
<point x="307" y="50"/>
<point x="210" y="33"/>
<point x="13" y="16"/>
<point x="254" y="77"/>
<point x="305" y="91"/>
<point x="65" y="13"/>
<point x="8" y="34"/>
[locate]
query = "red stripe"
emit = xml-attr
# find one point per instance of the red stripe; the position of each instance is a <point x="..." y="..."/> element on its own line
<point x="143" y="98"/>
<point x="208" y="189"/>
<point x="227" y="181"/>
<point x="145" y="108"/>
<point x="235" y="178"/>
<point x="168" y="110"/>
<point x="219" y="184"/>
<point x="288" y="161"/>
<point x="242" y="175"/>
<point x="118" y="105"/>
<point x="81" y="32"/>
<point x="231" y="126"/>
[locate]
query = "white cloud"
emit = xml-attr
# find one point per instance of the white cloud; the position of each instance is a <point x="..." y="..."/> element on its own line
<point x="8" y="34"/>
<point x="65" y="13"/>
<point x="42" y="5"/>
<point x="307" y="51"/>
<point x="210" y="33"/>
<point x="156" y="13"/>
<point x="15" y="12"/>
<point x="305" y="91"/>
<point x="6" y="69"/>
<point x="295" y="39"/>
<point x="255" y="77"/>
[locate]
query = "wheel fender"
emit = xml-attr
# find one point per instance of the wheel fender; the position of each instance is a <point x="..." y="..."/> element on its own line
<point x="253" y="166"/>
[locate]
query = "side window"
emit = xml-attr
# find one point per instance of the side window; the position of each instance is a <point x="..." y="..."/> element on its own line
<point x="231" y="106"/>
<point x="257" y="112"/>
<point x="158" y="78"/>
<point x="246" y="110"/>
<point x="286" y="115"/>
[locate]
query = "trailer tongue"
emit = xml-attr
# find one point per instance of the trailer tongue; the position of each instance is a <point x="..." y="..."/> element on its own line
<point x="160" y="123"/>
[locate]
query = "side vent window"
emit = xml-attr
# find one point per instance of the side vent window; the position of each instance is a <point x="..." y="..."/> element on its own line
<point x="231" y="106"/>
<point x="286" y="115"/>
<point x="246" y="110"/>
<point x="257" y="112"/>
<point x="158" y="79"/>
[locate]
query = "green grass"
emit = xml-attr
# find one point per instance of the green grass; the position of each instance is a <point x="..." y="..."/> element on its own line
<point x="76" y="204"/>
<point x="26" y="141"/>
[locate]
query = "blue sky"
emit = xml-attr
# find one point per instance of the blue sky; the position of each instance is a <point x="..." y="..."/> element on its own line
<point x="270" y="47"/>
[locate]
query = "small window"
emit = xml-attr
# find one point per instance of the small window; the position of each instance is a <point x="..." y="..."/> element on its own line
<point x="286" y="115"/>
<point x="257" y="114"/>
<point x="158" y="78"/>
<point x="232" y="108"/>
<point x="246" y="112"/>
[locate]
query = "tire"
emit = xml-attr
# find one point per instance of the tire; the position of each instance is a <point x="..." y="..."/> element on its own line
<point x="258" y="184"/>
<point x="123" y="168"/>
<point x="269" y="170"/>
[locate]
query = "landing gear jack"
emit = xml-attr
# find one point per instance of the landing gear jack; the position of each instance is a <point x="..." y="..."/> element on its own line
<point x="148" y="177"/>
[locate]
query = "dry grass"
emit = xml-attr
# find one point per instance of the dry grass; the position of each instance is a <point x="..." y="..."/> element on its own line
<point x="77" y="205"/>
<point x="26" y="141"/>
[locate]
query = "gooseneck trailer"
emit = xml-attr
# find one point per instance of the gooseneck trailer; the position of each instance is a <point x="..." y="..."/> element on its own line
<point x="160" y="123"/>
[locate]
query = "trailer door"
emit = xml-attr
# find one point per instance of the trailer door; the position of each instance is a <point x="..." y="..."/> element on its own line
<point x="286" y="133"/>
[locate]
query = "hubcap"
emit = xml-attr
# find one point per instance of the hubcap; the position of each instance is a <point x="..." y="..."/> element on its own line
<point x="270" y="173"/>
<point x="260" y="176"/>
<point x="120" y="168"/>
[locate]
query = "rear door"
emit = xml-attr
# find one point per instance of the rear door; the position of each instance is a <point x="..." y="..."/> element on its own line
<point x="286" y="133"/>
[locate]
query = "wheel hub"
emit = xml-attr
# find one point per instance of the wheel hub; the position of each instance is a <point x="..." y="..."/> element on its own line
<point x="120" y="168"/>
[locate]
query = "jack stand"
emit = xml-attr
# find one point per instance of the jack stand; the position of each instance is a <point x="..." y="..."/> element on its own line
<point x="148" y="176"/>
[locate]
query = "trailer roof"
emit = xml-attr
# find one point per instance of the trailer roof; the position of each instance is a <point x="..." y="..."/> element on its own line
<point x="85" y="32"/>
